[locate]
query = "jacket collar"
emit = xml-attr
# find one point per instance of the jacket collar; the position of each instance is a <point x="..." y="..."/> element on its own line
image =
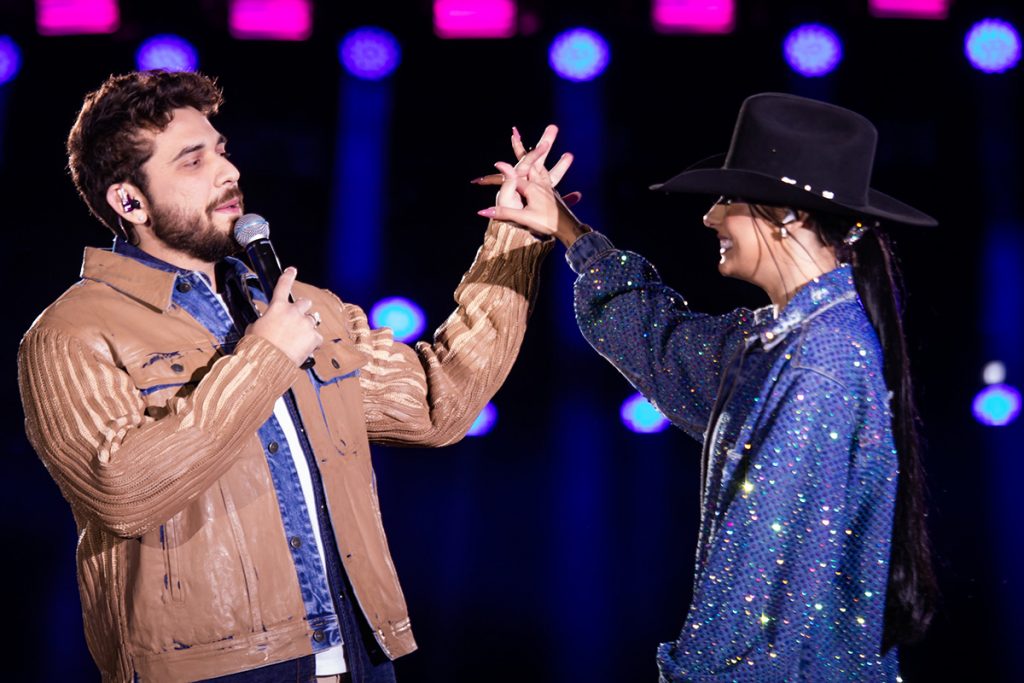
<point x="810" y="301"/>
<point x="139" y="275"/>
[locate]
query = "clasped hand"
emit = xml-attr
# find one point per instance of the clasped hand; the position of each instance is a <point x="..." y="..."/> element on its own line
<point x="527" y="195"/>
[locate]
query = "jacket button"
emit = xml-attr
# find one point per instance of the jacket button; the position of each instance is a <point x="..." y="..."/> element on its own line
<point x="295" y="542"/>
<point x="335" y="363"/>
<point x="177" y="367"/>
<point x="318" y="636"/>
<point x="273" y="447"/>
<point x="184" y="286"/>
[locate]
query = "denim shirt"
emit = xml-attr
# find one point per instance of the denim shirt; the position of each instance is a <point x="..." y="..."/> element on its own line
<point x="799" y="467"/>
<point x="193" y="294"/>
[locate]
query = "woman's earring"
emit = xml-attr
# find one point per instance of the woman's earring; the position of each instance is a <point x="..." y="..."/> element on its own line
<point x="786" y="220"/>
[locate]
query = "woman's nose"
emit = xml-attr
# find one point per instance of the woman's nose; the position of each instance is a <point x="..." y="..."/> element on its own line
<point x="713" y="217"/>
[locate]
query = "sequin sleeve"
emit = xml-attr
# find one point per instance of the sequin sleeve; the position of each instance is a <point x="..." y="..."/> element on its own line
<point x="766" y="593"/>
<point x="671" y="354"/>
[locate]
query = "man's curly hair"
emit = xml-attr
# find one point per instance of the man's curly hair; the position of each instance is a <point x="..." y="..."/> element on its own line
<point x="106" y="144"/>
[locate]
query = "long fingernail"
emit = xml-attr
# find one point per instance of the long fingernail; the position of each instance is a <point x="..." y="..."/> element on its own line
<point x="476" y="181"/>
<point x="486" y="213"/>
<point x="515" y="132"/>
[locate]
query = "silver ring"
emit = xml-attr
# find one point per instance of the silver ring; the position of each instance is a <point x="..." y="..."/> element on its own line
<point x="315" y="317"/>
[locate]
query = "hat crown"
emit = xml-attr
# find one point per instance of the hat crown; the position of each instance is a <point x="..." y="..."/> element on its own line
<point x="813" y="145"/>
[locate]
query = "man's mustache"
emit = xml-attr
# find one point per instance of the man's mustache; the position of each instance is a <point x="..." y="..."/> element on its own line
<point x="233" y="193"/>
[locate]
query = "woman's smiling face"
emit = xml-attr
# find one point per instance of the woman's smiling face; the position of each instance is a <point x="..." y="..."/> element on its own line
<point x="742" y="239"/>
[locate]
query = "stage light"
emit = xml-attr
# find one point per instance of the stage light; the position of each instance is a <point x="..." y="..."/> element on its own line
<point x="270" y="19"/>
<point x="370" y="53"/>
<point x="167" y="52"/>
<point x="992" y="46"/>
<point x="485" y="421"/>
<point x="997" y="405"/>
<point x="812" y="50"/>
<point x="579" y="54"/>
<point x="909" y="9"/>
<point x="640" y="416"/>
<point x="693" y="16"/>
<point x="71" y="17"/>
<point x="994" y="372"/>
<point x="474" y="18"/>
<point x="404" y="317"/>
<point x="10" y="59"/>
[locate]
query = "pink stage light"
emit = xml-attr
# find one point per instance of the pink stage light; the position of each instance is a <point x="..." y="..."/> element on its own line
<point x="271" y="19"/>
<point x="71" y="17"/>
<point x="909" y="9"/>
<point x="474" y="18"/>
<point x="693" y="16"/>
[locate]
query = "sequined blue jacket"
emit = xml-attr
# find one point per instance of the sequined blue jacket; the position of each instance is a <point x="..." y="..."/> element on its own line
<point x="799" y="467"/>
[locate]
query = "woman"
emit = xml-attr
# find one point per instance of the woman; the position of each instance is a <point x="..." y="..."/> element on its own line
<point x="813" y="560"/>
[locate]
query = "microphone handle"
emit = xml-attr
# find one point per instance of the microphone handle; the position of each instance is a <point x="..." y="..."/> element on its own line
<point x="267" y="267"/>
<point x="264" y="262"/>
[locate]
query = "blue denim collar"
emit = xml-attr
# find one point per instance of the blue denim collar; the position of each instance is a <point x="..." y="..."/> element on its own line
<point x="811" y="300"/>
<point x="131" y="251"/>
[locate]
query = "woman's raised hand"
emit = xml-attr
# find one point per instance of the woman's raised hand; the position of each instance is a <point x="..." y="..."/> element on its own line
<point x="526" y="195"/>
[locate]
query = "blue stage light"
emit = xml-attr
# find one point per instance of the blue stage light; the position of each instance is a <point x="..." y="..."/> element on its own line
<point x="992" y="46"/>
<point x="640" y="416"/>
<point x="10" y="59"/>
<point x="812" y="50"/>
<point x="404" y="317"/>
<point x="579" y="54"/>
<point x="167" y="52"/>
<point x="485" y="421"/>
<point x="997" y="405"/>
<point x="370" y="53"/>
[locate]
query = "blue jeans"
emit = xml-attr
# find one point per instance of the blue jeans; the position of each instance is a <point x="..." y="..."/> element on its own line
<point x="293" y="671"/>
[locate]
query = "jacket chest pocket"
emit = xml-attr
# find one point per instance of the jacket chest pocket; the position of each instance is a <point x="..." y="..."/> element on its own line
<point x="335" y="378"/>
<point x="161" y="376"/>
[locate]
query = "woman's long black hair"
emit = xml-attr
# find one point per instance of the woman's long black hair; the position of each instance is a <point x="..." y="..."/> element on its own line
<point x="912" y="593"/>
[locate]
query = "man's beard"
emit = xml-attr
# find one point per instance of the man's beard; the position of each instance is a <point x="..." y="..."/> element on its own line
<point x="195" y="235"/>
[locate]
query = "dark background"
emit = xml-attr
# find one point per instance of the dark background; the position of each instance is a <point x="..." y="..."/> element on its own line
<point x="558" y="547"/>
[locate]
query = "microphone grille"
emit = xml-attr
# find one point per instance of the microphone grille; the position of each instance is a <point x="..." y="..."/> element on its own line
<point x="251" y="226"/>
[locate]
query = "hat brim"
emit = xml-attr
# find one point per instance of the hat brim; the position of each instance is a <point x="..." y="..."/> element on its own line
<point x="707" y="177"/>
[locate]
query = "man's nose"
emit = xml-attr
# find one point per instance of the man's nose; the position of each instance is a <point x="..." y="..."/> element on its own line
<point x="230" y="172"/>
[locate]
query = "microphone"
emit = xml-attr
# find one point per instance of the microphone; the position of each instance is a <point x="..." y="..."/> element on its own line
<point x="252" y="232"/>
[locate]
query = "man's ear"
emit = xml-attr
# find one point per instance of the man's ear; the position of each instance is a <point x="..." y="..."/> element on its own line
<point x="127" y="202"/>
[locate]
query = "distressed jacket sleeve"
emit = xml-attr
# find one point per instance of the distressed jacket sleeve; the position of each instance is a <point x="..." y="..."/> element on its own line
<point x="430" y="395"/>
<point x="672" y="355"/>
<point x="114" y="463"/>
<point x="777" y="544"/>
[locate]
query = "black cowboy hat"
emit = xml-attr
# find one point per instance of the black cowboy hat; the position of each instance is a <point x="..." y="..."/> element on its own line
<point x="805" y="154"/>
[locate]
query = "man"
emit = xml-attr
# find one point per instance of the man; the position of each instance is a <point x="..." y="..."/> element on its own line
<point x="225" y="499"/>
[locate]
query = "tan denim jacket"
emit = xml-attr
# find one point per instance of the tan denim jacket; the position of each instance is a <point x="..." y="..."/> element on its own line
<point x="183" y="564"/>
